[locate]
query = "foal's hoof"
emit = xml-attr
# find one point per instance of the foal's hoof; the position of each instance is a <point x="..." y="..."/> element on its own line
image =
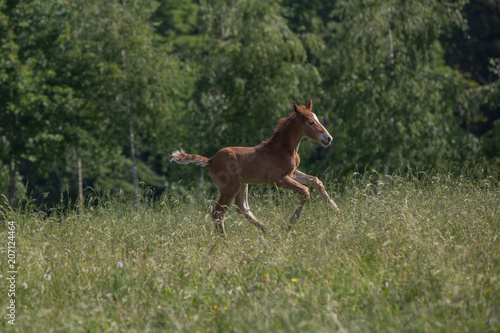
<point x="272" y="233"/>
<point x="334" y="206"/>
<point x="221" y="231"/>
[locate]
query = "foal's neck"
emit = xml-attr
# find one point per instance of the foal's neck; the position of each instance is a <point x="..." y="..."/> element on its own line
<point x="287" y="137"/>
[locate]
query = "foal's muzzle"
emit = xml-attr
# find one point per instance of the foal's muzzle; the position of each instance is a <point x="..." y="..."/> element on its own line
<point x="326" y="140"/>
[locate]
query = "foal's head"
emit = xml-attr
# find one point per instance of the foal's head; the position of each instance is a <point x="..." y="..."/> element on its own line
<point x="310" y="124"/>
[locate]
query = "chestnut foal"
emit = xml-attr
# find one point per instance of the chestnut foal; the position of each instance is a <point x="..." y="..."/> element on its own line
<point x="272" y="162"/>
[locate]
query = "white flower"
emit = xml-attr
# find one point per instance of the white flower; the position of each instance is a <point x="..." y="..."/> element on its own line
<point x="119" y="264"/>
<point x="24" y="285"/>
<point x="47" y="277"/>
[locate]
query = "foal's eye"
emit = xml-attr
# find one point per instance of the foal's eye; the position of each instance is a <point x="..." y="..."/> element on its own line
<point x="311" y="123"/>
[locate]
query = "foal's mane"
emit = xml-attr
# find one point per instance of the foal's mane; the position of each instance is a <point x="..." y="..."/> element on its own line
<point x="282" y="125"/>
<point x="284" y="122"/>
<point x="302" y="111"/>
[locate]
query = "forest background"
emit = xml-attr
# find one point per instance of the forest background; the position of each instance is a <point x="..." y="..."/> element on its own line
<point x="96" y="94"/>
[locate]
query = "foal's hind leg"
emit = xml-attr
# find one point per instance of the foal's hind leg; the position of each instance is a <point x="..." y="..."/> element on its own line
<point x="228" y="188"/>
<point x="290" y="184"/>
<point x="220" y="210"/>
<point x="242" y="203"/>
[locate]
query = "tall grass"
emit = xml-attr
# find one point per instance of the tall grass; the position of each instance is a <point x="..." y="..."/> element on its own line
<point x="412" y="253"/>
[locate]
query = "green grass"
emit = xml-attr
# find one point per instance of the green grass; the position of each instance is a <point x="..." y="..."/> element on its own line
<point x="405" y="256"/>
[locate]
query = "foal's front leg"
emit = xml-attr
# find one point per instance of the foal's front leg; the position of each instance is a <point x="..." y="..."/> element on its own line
<point x="290" y="184"/>
<point x="305" y="179"/>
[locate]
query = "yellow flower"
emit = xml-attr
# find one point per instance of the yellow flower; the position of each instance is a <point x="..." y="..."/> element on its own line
<point x="215" y="307"/>
<point x="294" y="280"/>
<point x="468" y="278"/>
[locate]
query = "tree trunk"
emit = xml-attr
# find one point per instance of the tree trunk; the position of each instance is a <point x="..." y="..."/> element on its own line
<point x="132" y="154"/>
<point x="131" y="127"/>
<point x="80" y="180"/>
<point x="200" y="182"/>
<point x="391" y="47"/>
<point x="391" y="58"/>
<point x="12" y="180"/>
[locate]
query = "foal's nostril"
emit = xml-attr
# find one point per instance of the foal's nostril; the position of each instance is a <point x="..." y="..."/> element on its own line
<point x="329" y="139"/>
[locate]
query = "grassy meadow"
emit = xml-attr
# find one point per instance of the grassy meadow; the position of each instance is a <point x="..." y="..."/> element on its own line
<point x="413" y="254"/>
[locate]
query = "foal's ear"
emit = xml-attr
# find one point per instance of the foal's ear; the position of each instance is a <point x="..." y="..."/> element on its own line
<point x="309" y="105"/>
<point x="295" y="107"/>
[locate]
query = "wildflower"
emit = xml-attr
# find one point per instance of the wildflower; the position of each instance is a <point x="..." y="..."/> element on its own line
<point x="119" y="264"/>
<point x="468" y="278"/>
<point x="215" y="307"/>
<point x="294" y="280"/>
<point x="24" y="285"/>
<point x="47" y="277"/>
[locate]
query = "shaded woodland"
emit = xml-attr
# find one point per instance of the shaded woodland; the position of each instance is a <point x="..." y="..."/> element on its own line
<point x="96" y="94"/>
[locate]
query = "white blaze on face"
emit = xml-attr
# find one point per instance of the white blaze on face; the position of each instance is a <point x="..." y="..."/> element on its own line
<point x="325" y="137"/>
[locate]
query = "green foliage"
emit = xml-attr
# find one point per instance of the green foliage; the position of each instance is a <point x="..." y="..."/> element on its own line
<point x="391" y="108"/>
<point x="36" y="107"/>
<point x="418" y="252"/>
<point x="253" y="69"/>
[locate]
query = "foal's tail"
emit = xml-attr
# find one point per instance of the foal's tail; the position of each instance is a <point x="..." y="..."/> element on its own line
<point x="181" y="157"/>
